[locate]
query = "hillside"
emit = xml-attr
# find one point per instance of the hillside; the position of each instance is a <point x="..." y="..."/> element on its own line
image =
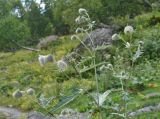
<point x="21" y="70"/>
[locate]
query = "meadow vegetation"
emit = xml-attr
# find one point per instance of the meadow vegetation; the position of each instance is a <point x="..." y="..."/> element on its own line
<point x="126" y="80"/>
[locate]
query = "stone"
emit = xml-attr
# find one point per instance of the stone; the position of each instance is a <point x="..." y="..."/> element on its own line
<point x="44" y="42"/>
<point x="99" y="37"/>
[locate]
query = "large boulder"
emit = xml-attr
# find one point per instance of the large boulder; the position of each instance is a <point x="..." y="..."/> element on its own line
<point x="99" y="37"/>
<point x="44" y="42"/>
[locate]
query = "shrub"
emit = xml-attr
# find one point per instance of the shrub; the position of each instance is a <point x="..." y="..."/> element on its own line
<point x="12" y="29"/>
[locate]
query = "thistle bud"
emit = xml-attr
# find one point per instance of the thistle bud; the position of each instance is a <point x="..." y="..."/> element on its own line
<point x="128" y="30"/>
<point x="82" y="11"/>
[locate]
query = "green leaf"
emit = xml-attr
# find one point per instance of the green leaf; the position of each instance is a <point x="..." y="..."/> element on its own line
<point x="91" y="67"/>
<point x="67" y="99"/>
<point x="103" y="47"/>
<point x="100" y="98"/>
<point x="45" y="101"/>
<point x="121" y="115"/>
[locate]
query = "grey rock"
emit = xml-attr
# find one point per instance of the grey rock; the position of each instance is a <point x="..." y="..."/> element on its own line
<point x="10" y="113"/>
<point x="145" y="110"/>
<point x="152" y="95"/>
<point x="13" y="113"/>
<point x="44" y="42"/>
<point x="99" y="37"/>
<point x="37" y="115"/>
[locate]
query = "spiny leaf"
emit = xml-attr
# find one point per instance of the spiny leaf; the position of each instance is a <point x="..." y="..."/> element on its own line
<point x="101" y="97"/>
<point x="91" y="67"/>
<point x="66" y="99"/>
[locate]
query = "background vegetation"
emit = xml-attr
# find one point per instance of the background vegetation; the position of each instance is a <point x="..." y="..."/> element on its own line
<point x="31" y="21"/>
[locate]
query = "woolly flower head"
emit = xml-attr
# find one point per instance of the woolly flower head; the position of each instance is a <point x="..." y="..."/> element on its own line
<point x="78" y="30"/>
<point x="73" y="37"/>
<point x="127" y="45"/>
<point x="62" y="65"/>
<point x="128" y="30"/>
<point x="82" y="11"/>
<point x="81" y="19"/>
<point x="115" y="37"/>
<point x="108" y="67"/>
<point x="30" y="91"/>
<point x="141" y="42"/>
<point x="17" y="94"/>
<point x="102" y="68"/>
<point x="43" y="59"/>
<point x="77" y="20"/>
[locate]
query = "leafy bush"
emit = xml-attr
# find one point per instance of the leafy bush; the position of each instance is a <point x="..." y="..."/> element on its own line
<point x="12" y="31"/>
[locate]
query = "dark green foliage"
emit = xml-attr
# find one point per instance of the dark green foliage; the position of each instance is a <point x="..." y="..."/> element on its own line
<point x="40" y="25"/>
<point x="12" y="30"/>
<point x="58" y="16"/>
<point x="154" y="20"/>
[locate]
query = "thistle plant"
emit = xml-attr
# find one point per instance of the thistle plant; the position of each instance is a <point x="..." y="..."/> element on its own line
<point x="124" y="75"/>
<point x="86" y="27"/>
<point x="104" y="67"/>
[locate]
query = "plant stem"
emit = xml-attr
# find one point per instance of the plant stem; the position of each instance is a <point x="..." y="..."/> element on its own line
<point x="97" y="86"/>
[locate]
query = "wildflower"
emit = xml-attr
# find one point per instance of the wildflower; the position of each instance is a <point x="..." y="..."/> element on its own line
<point x="79" y="30"/>
<point x="128" y="30"/>
<point x="82" y="11"/>
<point x="81" y="19"/>
<point x="115" y="37"/>
<point x="73" y="37"/>
<point x="107" y="56"/>
<point x="49" y="58"/>
<point x="17" y="94"/>
<point x="141" y="42"/>
<point x="109" y="66"/>
<point x="23" y="92"/>
<point x="30" y="91"/>
<point x="43" y="59"/>
<point x="77" y="20"/>
<point x="102" y="68"/>
<point x="128" y="45"/>
<point x="62" y="65"/>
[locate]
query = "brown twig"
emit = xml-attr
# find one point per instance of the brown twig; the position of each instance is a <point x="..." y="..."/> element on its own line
<point x="27" y="48"/>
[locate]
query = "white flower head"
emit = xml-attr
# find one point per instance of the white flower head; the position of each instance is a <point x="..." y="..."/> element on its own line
<point x="141" y="42"/>
<point x="73" y="37"/>
<point x="30" y="91"/>
<point x="43" y="59"/>
<point x="17" y="94"/>
<point x="82" y="11"/>
<point x="23" y="92"/>
<point x="128" y="30"/>
<point x="102" y="68"/>
<point x="115" y="37"/>
<point x="79" y="30"/>
<point x="62" y="65"/>
<point x="127" y="45"/>
<point x="81" y="19"/>
<point x="109" y="65"/>
<point x="77" y="20"/>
